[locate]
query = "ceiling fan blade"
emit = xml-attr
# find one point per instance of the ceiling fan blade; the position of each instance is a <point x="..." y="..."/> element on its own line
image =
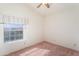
<point x="47" y="5"/>
<point x="39" y="5"/>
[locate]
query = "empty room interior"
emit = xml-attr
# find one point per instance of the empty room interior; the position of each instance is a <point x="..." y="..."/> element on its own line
<point x="39" y="29"/>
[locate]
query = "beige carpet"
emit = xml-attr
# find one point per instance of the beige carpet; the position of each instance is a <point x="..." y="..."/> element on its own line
<point x="45" y="49"/>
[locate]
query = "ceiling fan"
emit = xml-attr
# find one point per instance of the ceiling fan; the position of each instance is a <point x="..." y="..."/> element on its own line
<point x="45" y="4"/>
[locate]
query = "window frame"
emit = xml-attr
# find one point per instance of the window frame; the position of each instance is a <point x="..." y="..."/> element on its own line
<point x="16" y="36"/>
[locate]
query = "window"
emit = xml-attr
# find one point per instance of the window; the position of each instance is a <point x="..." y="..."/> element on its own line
<point x="13" y="32"/>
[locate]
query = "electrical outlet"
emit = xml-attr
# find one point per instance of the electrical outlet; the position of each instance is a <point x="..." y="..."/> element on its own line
<point x="24" y="43"/>
<point x="75" y="45"/>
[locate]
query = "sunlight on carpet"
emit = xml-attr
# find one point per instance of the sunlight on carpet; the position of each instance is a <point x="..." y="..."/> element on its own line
<point x="35" y="52"/>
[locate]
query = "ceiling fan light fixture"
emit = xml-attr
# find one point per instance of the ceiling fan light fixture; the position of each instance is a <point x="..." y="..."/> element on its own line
<point x="43" y="4"/>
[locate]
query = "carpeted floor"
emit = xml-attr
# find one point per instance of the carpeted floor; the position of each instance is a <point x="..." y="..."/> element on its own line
<point x="45" y="49"/>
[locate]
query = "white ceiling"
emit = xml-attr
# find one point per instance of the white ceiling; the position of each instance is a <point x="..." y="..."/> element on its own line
<point x="54" y="7"/>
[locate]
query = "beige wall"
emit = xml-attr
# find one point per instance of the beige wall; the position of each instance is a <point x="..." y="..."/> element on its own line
<point x="32" y="32"/>
<point x="62" y="28"/>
